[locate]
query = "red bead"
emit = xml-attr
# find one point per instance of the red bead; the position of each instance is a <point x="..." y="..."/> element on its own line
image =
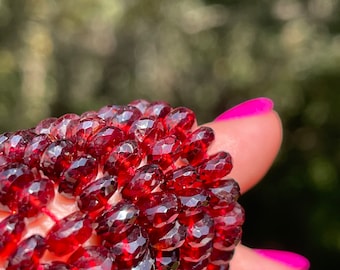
<point x="70" y="232"/>
<point x="140" y="104"/>
<point x="35" y="149"/>
<point x="158" y="209"/>
<point x="124" y="117"/>
<point x="64" y="126"/>
<point x="168" y="237"/>
<point x="165" y="151"/>
<point x="121" y="161"/>
<point x="11" y="230"/>
<point x="196" y="145"/>
<point x="86" y="128"/>
<point x="57" y="158"/>
<point x="158" y="110"/>
<point x="45" y="126"/>
<point x="27" y="254"/>
<point x="145" y="180"/>
<point x="219" y="259"/>
<point x="179" y="121"/>
<point x="146" y="131"/>
<point x="101" y="144"/>
<point x="107" y="112"/>
<point x="95" y="195"/>
<point x="194" y="265"/>
<point x="81" y="171"/>
<point x="131" y="249"/>
<point x="3" y="138"/>
<point x="55" y="265"/>
<point x="182" y="178"/>
<point x="215" y="167"/>
<point x="234" y="218"/>
<point x="34" y="196"/>
<point x="92" y="257"/>
<point x="115" y="223"/>
<point x="167" y="259"/>
<point x="15" y="145"/>
<point x="192" y="199"/>
<point x="146" y="263"/>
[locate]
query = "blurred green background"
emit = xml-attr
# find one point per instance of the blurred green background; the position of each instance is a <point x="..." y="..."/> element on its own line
<point x="73" y="56"/>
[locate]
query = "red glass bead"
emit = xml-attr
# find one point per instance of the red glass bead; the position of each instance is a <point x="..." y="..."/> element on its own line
<point x="165" y="151"/>
<point x="35" y="149"/>
<point x="45" y="126"/>
<point x="145" y="180"/>
<point x="182" y="178"/>
<point x="146" y="131"/>
<point x="116" y="222"/>
<point x="107" y="112"/>
<point x="57" y="158"/>
<point x="27" y="254"/>
<point x="179" y="121"/>
<point x="124" y="117"/>
<point x="140" y="104"/>
<point x="196" y="145"/>
<point x="34" y="196"/>
<point x="55" y="265"/>
<point x="167" y="259"/>
<point x="15" y="145"/>
<point x="11" y="230"/>
<point x="70" y="232"/>
<point x="168" y="237"/>
<point x="92" y="257"/>
<point x="86" y="128"/>
<point x="158" y="109"/>
<point x="95" y="195"/>
<point x="81" y="171"/>
<point x="63" y="127"/>
<point x="158" y="209"/>
<point x="100" y="144"/>
<point x="132" y="248"/>
<point x="215" y="167"/>
<point x="121" y="161"/>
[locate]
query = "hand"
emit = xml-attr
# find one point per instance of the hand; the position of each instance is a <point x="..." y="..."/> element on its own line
<point x="252" y="134"/>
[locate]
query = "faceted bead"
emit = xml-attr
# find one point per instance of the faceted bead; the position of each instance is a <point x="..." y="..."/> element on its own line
<point x="168" y="237"/>
<point x="132" y="248"/>
<point x="15" y="145"/>
<point x="182" y="178"/>
<point x="121" y="161"/>
<point x="88" y="114"/>
<point x="145" y="180"/>
<point x="219" y="259"/>
<point x="215" y="167"/>
<point x="3" y="138"/>
<point x="165" y="151"/>
<point x="196" y="145"/>
<point x="140" y="104"/>
<point x="12" y="177"/>
<point x="115" y="223"/>
<point x="85" y="128"/>
<point x="92" y="258"/>
<point x="179" y="121"/>
<point x="27" y="254"/>
<point x="35" y="149"/>
<point x="3" y="161"/>
<point x="192" y="198"/>
<point x="232" y="219"/>
<point x="100" y="144"/>
<point x="95" y="195"/>
<point x="194" y="265"/>
<point x="64" y="126"/>
<point x="57" y="157"/>
<point x="34" y="196"/>
<point x="158" y="209"/>
<point x="11" y="230"/>
<point x="146" y="263"/>
<point x="158" y="109"/>
<point x="45" y="126"/>
<point x="167" y="259"/>
<point x="227" y="238"/>
<point x="107" y="112"/>
<point x="81" y="171"/>
<point x="55" y="265"/>
<point x="146" y="131"/>
<point x="124" y="117"/>
<point x="70" y="232"/>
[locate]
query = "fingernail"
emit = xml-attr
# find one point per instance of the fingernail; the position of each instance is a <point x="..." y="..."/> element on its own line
<point x="288" y="258"/>
<point x="248" y="108"/>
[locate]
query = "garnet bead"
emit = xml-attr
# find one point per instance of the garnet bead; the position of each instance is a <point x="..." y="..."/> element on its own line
<point x="70" y="232"/>
<point x="140" y="104"/>
<point x="182" y="178"/>
<point x="179" y="121"/>
<point x="35" y="149"/>
<point x="45" y="126"/>
<point x="15" y="145"/>
<point x="124" y="117"/>
<point x="157" y="109"/>
<point x="64" y="126"/>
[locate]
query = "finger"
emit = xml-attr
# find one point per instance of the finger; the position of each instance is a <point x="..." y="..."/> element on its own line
<point x="253" y="143"/>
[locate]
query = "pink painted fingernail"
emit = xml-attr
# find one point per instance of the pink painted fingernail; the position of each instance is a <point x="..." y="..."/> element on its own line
<point x="286" y="257"/>
<point x="248" y="108"/>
